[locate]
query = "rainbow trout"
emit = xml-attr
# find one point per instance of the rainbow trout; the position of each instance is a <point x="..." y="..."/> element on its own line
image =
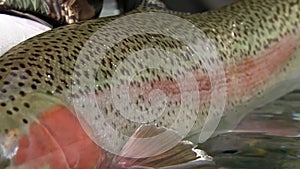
<point x="59" y="99"/>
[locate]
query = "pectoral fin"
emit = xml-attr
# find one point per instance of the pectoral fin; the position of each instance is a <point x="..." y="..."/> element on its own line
<point x="137" y="153"/>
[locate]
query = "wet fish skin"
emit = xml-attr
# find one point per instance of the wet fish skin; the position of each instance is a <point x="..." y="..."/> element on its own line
<point x="38" y="74"/>
<point x="53" y="54"/>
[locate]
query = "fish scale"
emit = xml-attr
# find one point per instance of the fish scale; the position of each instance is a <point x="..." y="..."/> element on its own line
<point x="38" y="73"/>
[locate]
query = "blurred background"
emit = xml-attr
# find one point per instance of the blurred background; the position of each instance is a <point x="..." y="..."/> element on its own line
<point x="113" y="7"/>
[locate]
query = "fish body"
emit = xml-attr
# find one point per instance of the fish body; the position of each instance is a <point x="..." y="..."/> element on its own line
<point x="257" y="43"/>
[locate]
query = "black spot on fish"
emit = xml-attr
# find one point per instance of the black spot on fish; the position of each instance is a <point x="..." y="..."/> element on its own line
<point x="21" y="84"/>
<point x="2" y="69"/>
<point x="22" y="93"/>
<point x="25" y="121"/>
<point x="27" y="105"/>
<point x="9" y="112"/>
<point x="33" y="86"/>
<point x="13" y="74"/>
<point x="11" y="97"/>
<point x="36" y="80"/>
<point x="3" y="90"/>
<point x="230" y="151"/>
<point x="28" y="72"/>
<point x="15" y="109"/>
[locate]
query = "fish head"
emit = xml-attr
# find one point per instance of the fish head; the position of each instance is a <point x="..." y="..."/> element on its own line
<point x="34" y="125"/>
